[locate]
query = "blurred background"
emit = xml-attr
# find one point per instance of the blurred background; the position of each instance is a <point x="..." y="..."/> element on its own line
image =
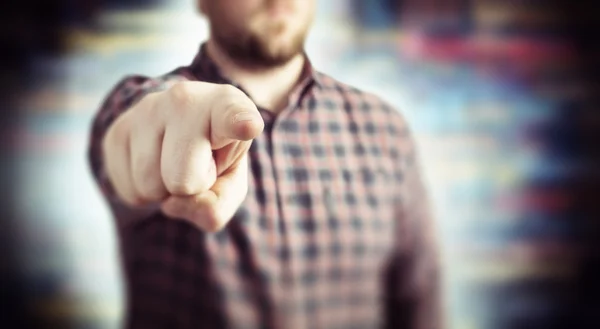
<point x="502" y="95"/>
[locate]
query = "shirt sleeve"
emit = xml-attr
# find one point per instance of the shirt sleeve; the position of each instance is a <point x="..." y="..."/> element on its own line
<point x="124" y="94"/>
<point x="412" y="279"/>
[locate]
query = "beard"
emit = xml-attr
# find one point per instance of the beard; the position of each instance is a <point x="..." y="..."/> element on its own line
<point x="265" y="49"/>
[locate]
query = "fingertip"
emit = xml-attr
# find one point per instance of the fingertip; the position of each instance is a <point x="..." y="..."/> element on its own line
<point x="248" y="130"/>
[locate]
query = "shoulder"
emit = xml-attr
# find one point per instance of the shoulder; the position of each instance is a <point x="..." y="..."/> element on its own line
<point x="131" y="88"/>
<point x="364" y="106"/>
<point x="156" y="83"/>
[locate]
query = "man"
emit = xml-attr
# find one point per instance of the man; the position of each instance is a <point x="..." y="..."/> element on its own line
<point x="251" y="191"/>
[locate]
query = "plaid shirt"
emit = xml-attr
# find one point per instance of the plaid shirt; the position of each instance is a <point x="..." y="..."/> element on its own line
<point x="335" y="231"/>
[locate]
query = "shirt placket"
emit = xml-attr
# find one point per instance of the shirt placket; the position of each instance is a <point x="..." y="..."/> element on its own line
<point x="287" y="293"/>
<point x="291" y="294"/>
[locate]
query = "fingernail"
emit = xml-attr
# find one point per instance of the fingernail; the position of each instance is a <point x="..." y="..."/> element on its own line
<point x="244" y="116"/>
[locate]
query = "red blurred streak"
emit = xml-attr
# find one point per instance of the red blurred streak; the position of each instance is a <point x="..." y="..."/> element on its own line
<point x="477" y="49"/>
<point x="548" y="200"/>
<point x="522" y="251"/>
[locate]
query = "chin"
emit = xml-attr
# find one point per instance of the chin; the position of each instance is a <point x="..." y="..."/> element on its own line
<point x="282" y="52"/>
<point x="283" y="42"/>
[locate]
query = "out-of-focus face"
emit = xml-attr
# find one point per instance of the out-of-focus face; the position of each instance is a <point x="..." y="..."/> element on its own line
<point x="263" y="33"/>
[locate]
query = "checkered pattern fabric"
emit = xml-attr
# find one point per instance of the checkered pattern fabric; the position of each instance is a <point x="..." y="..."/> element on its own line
<point x="335" y="231"/>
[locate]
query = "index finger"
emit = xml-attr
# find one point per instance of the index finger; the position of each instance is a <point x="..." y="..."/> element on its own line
<point x="233" y="117"/>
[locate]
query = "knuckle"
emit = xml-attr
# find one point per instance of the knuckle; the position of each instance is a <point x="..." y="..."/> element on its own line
<point x="229" y="91"/>
<point x="132" y="199"/>
<point x="181" y="94"/>
<point x="112" y="144"/>
<point x="229" y="96"/>
<point x="150" y="108"/>
<point x="179" y="185"/>
<point x="152" y="192"/>
<point x="149" y="193"/>
<point x="147" y="179"/>
<point x="117" y="131"/>
<point x="145" y="102"/>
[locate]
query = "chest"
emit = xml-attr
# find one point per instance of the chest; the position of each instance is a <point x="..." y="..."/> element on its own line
<point x="320" y="191"/>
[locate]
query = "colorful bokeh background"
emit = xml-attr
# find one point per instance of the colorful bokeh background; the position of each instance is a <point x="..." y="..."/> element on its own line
<point x="499" y="93"/>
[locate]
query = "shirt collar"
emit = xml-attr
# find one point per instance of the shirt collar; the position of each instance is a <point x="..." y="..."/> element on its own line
<point x="205" y="69"/>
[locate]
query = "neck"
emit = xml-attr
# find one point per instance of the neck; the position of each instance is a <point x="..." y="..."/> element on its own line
<point x="268" y="87"/>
